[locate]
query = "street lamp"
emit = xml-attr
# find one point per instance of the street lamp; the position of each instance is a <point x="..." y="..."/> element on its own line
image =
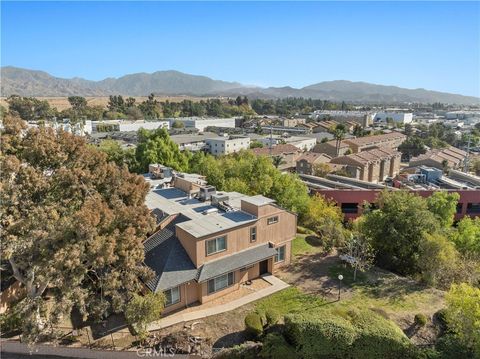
<point x="340" y="278"/>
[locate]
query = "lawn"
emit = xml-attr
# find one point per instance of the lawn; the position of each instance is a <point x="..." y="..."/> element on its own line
<point x="290" y="300"/>
<point x="301" y="246"/>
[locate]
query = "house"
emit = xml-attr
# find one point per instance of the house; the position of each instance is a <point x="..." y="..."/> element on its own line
<point x="372" y="165"/>
<point x="227" y="145"/>
<point x="292" y="122"/>
<point x="306" y="162"/>
<point x="211" y="242"/>
<point x="289" y="154"/>
<point x="450" y="157"/>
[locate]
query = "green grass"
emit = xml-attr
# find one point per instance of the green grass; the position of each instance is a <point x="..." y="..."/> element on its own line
<point x="347" y="272"/>
<point x="301" y="246"/>
<point x="290" y="300"/>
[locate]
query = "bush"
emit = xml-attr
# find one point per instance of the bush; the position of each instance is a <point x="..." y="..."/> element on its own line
<point x="253" y="324"/>
<point x="276" y="347"/>
<point x="420" y="319"/>
<point x="263" y="316"/>
<point x="449" y="347"/>
<point x="246" y="350"/>
<point x="441" y="317"/>
<point x="271" y="316"/>
<point x="354" y="334"/>
<point x="10" y="321"/>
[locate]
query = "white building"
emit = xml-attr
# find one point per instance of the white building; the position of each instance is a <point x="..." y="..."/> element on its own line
<point x="226" y="145"/>
<point x="201" y="123"/>
<point x="302" y="143"/>
<point x="128" y="126"/>
<point x="402" y="117"/>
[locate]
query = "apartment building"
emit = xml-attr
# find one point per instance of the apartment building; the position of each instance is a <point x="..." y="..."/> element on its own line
<point x="307" y="161"/>
<point x="201" y="123"/>
<point x="330" y="148"/>
<point x="226" y="145"/>
<point x="443" y="158"/>
<point x="390" y="140"/>
<point x="208" y="243"/>
<point x="372" y="165"/>
<point x="289" y="154"/>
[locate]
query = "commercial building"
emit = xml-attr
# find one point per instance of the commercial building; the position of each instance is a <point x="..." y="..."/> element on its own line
<point x="208" y="243"/>
<point x="193" y="142"/>
<point x="364" y="118"/>
<point x="289" y="154"/>
<point x="225" y="145"/>
<point x="399" y="117"/>
<point x="201" y="123"/>
<point x="127" y="126"/>
<point x="372" y="165"/>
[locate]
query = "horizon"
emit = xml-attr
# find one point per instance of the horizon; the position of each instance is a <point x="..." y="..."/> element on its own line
<point x="408" y="45"/>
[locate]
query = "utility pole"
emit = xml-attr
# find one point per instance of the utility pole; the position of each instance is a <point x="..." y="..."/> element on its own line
<point x="467" y="157"/>
<point x="271" y="139"/>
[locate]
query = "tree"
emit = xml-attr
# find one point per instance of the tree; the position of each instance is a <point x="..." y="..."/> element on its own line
<point x="78" y="103"/>
<point x="339" y="134"/>
<point x="72" y="222"/>
<point x="256" y="144"/>
<point x="119" y="155"/>
<point x="438" y="260"/>
<point x="396" y="229"/>
<point x="157" y="147"/>
<point x="144" y="309"/>
<point x="325" y="219"/>
<point x="321" y="169"/>
<point x="31" y="109"/>
<point x="134" y="113"/>
<point x="151" y="108"/>
<point x="467" y="236"/>
<point x="444" y="206"/>
<point x="277" y="161"/>
<point x="116" y="104"/>
<point x="360" y="252"/>
<point x="463" y="314"/>
<point x="412" y="147"/>
<point x="178" y="124"/>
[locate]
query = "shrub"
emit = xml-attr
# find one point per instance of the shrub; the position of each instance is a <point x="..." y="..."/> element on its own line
<point x="276" y="347"/>
<point x="10" y="321"/>
<point x="354" y="334"/>
<point x="263" y="316"/>
<point x="253" y="324"/>
<point x="246" y="350"/>
<point x="271" y="316"/>
<point x="420" y="319"/>
<point x="440" y="316"/>
<point x="449" y="347"/>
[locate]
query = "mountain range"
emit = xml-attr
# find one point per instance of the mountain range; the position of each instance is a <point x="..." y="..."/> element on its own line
<point x="24" y="82"/>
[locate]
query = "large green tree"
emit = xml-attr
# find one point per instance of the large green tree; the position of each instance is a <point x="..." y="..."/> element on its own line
<point x="71" y="222"/>
<point x="31" y="108"/>
<point x="467" y="236"/>
<point x="444" y="206"/>
<point x="157" y="147"/>
<point x="396" y="229"/>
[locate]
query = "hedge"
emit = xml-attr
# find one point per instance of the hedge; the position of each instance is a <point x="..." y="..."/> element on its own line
<point x="420" y="319"/>
<point x="276" y="347"/>
<point x="355" y="334"/>
<point x="272" y="316"/>
<point x="253" y="324"/>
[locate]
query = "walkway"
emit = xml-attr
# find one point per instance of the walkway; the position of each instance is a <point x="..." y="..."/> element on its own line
<point x="276" y="285"/>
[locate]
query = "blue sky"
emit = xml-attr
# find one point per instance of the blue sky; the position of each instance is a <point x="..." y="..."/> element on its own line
<point x="434" y="45"/>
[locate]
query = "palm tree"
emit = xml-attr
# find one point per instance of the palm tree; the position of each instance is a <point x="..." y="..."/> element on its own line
<point x="339" y="134"/>
<point x="277" y="161"/>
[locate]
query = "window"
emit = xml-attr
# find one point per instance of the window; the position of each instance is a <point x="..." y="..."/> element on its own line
<point x="216" y="245"/>
<point x="473" y="208"/>
<point x="253" y="234"/>
<point x="272" y="220"/>
<point x="219" y="283"/>
<point x="172" y="296"/>
<point x="280" y="256"/>
<point x="349" y="207"/>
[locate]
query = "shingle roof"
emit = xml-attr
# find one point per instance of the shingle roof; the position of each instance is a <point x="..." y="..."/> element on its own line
<point x="236" y="261"/>
<point x="165" y="255"/>
<point x="311" y="157"/>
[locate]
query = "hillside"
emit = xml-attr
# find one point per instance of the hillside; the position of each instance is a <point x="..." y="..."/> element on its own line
<point x="171" y="83"/>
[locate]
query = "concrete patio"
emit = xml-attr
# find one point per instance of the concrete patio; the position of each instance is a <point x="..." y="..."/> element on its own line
<point x="191" y="313"/>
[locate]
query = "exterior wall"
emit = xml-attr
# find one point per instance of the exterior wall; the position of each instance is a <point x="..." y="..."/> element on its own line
<point x="148" y="125"/>
<point x="359" y="196"/>
<point x="185" y="185"/>
<point x="395" y="116"/>
<point x="239" y="239"/>
<point x="304" y="167"/>
<point x="226" y="146"/>
<point x="189" y="243"/>
<point x="189" y="293"/>
<point x="288" y="256"/>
